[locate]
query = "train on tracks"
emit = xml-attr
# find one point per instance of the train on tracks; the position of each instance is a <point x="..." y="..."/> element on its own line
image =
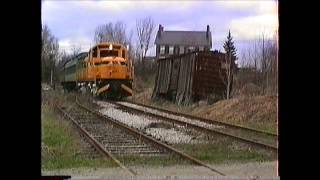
<point x="105" y="71"/>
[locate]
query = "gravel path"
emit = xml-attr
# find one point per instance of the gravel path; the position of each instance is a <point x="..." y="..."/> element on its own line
<point x="171" y="135"/>
<point x="265" y="170"/>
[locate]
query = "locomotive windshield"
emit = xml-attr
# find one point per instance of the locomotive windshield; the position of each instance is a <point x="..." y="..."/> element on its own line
<point x="108" y="50"/>
<point x="108" y="53"/>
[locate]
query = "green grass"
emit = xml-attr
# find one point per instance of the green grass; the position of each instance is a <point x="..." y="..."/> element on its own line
<point x="267" y="127"/>
<point x="61" y="146"/>
<point x="62" y="149"/>
<point x="219" y="153"/>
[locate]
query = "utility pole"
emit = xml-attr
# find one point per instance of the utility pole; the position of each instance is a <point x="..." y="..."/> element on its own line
<point x="263" y="64"/>
<point x="51" y="77"/>
<point x="51" y="72"/>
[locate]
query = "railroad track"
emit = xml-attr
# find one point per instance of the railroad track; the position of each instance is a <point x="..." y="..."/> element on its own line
<point x="85" y="126"/>
<point x="113" y="138"/>
<point x="246" y="135"/>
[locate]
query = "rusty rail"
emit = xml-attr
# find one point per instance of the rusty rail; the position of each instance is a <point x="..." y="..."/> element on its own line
<point x="152" y="140"/>
<point x="247" y="141"/>
<point x="95" y="143"/>
<point x="209" y="121"/>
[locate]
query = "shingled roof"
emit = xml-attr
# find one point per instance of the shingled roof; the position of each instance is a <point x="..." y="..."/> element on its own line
<point x="185" y="38"/>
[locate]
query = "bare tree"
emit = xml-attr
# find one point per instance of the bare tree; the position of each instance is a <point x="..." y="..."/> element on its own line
<point x="271" y="58"/>
<point x="129" y="45"/>
<point x="63" y="58"/>
<point x="111" y="33"/>
<point x="226" y="74"/>
<point x="267" y="54"/>
<point x="145" y="28"/>
<point x="262" y="55"/>
<point x="75" y="50"/>
<point x="49" y="54"/>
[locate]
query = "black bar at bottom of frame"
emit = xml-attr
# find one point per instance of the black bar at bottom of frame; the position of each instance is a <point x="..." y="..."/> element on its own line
<point x="55" y="177"/>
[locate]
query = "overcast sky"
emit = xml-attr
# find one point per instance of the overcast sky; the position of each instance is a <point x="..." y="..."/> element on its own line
<point x="73" y="22"/>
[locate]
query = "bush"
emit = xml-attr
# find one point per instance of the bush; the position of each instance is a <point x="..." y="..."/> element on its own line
<point x="250" y="89"/>
<point x="248" y="82"/>
<point x="213" y="98"/>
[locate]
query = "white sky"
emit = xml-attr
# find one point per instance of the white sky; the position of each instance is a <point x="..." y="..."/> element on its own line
<point x="73" y="22"/>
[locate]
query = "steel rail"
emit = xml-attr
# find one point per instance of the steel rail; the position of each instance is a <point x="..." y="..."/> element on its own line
<point x="95" y="143"/>
<point x="205" y="120"/>
<point x="130" y="109"/>
<point x="152" y="140"/>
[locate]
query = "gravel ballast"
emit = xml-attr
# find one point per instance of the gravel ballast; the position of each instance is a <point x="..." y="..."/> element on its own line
<point x="171" y="136"/>
<point x="172" y="116"/>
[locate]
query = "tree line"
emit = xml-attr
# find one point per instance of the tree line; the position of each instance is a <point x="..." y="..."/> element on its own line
<point x="52" y="58"/>
<point x="259" y="61"/>
<point x="260" y="65"/>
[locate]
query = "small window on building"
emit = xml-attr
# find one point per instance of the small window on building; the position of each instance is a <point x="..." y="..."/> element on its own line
<point x="170" y="50"/>
<point x="191" y="48"/>
<point x="162" y="50"/>
<point x="201" y="48"/>
<point x="181" y="50"/>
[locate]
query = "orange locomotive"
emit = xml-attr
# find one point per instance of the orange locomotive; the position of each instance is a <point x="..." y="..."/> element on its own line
<point x="105" y="70"/>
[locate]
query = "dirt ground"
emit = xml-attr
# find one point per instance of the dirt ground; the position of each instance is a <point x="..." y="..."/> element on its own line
<point x="245" y="170"/>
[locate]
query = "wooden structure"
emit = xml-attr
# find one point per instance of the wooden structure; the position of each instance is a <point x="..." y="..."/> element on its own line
<point x="189" y="77"/>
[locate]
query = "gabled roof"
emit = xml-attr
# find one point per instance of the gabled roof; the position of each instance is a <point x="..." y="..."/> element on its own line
<point x="186" y="38"/>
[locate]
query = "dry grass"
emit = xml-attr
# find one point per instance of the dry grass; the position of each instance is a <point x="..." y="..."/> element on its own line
<point x="253" y="111"/>
<point x="247" y="109"/>
<point x="254" y="108"/>
<point x="143" y="97"/>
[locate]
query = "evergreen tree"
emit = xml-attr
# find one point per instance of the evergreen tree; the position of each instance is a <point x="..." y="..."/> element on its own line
<point x="229" y="68"/>
<point x="230" y="49"/>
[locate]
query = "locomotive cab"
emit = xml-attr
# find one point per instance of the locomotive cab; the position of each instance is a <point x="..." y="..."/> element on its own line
<point x="105" y="70"/>
<point x="109" y="67"/>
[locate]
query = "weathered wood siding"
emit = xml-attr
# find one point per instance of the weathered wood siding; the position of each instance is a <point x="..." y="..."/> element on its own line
<point x="163" y="76"/>
<point x="189" y="77"/>
<point x="175" y="73"/>
<point x="185" y="79"/>
<point x="207" y="78"/>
